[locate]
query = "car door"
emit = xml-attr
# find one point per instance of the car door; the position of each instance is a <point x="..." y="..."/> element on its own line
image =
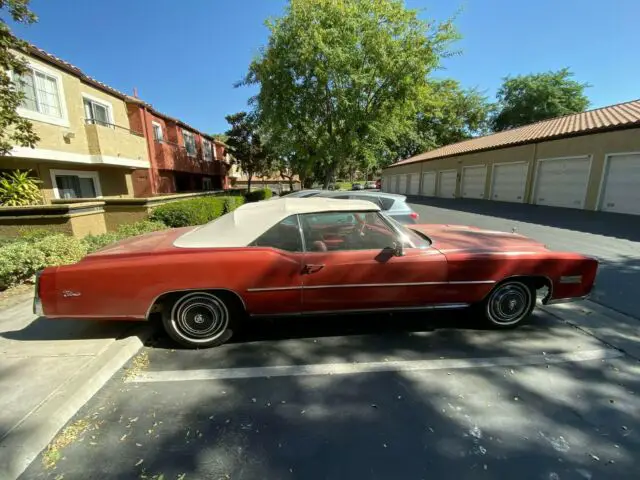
<point x="275" y="285"/>
<point x="349" y="264"/>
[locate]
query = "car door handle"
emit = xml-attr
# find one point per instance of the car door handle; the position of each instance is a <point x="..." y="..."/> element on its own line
<point x="307" y="269"/>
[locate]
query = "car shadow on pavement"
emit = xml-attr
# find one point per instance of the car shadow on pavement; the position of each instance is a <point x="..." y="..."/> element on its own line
<point x="561" y="420"/>
<point x="599" y="223"/>
<point x="42" y="329"/>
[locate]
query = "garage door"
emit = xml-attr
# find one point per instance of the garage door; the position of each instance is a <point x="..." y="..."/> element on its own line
<point x="621" y="186"/>
<point x="402" y="188"/>
<point x="562" y="182"/>
<point x="509" y="182"/>
<point x="473" y="181"/>
<point x="429" y="184"/>
<point x="414" y="184"/>
<point x="447" y="184"/>
<point x="394" y="184"/>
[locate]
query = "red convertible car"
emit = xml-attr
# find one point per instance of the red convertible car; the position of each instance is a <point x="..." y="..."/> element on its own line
<point x="302" y="256"/>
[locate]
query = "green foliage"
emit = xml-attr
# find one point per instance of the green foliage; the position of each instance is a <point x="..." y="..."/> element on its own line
<point x="245" y="145"/>
<point x="257" y="195"/>
<point x="93" y="243"/>
<point x="14" y="129"/>
<point x="21" y="259"/>
<point x="195" y="211"/>
<point x="531" y="98"/>
<point x="18" y="188"/>
<point x="339" y="80"/>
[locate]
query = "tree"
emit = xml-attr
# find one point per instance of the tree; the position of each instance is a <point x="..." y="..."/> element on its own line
<point x="447" y="114"/>
<point x="339" y="78"/>
<point x="245" y="144"/>
<point x="527" y="99"/>
<point x="14" y="130"/>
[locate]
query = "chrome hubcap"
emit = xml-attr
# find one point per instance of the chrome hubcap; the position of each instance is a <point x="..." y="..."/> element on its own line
<point x="509" y="303"/>
<point x="200" y="317"/>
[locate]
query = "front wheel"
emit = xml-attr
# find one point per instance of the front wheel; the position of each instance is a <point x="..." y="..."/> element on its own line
<point x="199" y="320"/>
<point x="509" y="304"/>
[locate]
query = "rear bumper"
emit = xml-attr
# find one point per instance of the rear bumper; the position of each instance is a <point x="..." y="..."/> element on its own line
<point x="556" y="301"/>
<point x="37" y="304"/>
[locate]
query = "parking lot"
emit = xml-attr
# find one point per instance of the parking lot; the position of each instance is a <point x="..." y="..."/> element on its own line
<point x="611" y="238"/>
<point x="384" y="397"/>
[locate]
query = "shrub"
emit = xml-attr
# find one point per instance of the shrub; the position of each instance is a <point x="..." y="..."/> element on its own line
<point x="18" y="188"/>
<point x="257" y="195"/>
<point x="96" y="242"/>
<point x="195" y="211"/>
<point x="20" y="260"/>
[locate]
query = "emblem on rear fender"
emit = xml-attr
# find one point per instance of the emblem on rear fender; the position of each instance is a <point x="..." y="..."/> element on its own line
<point x="70" y="293"/>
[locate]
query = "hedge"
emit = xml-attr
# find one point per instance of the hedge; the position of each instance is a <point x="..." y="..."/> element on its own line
<point x="257" y="195"/>
<point x="195" y="211"/>
<point x="21" y="258"/>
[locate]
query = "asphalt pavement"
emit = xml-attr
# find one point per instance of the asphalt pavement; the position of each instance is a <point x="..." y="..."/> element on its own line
<point x="613" y="239"/>
<point x="384" y="397"/>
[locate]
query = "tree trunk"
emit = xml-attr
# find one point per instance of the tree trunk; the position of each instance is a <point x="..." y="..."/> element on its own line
<point x="250" y="176"/>
<point x="291" y="184"/>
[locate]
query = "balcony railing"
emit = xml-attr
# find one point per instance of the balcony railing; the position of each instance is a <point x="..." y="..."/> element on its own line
<point x="173" y="156"/>
<point x="92" y="121"/>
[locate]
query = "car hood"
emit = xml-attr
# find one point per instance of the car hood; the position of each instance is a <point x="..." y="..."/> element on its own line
<point x="142" y="244"/>
<point x="461" y="238"/>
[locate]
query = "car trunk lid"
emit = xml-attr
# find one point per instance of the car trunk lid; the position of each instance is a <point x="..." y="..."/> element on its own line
<point x="142" y="244"/>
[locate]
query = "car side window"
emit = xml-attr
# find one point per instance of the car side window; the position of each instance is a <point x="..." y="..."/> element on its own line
<point x="340" y="231"/>
<point x="284" y="235"/>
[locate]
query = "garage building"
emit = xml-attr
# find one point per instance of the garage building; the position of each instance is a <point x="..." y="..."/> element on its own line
<point x="589" y="160"/>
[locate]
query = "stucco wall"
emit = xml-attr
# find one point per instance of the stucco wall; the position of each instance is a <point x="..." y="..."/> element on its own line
<point x="114" y="181"/>
<point x="595" y="145"/>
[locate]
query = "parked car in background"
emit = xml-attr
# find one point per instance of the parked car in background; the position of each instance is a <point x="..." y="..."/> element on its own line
<point x="394" y="205"/>
<point x="370" y="185"/>
<point x="299" y="194"/>
<point x="357" y="186"/>
<point x="305" y="257"/>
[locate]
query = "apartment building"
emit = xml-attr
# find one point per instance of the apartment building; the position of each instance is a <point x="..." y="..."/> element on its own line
<point x="98" y="142"/>
<point x="87" y="148"/>
<point x="182" y="159"/>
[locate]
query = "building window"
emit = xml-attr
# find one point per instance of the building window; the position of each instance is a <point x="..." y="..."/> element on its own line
<point x="97" y="113"/>
<point x="207" y="184"/>
<point x="41" y="92"/>
<point x="207" y="150"/>
<point x="157" y="132"/>
<point x="75" y="184"/>
<point x="189" y="143"/>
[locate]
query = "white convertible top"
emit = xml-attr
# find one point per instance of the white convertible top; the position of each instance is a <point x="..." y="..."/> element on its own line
<point x="245" y="224"/>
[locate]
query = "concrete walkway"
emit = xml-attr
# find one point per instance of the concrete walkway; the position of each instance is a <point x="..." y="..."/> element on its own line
<point x="49" y="369"/>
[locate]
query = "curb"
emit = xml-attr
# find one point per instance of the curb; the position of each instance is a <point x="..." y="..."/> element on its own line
<point x="23" y="445"/>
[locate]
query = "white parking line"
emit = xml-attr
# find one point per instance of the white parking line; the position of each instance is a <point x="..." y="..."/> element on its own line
<point x="370" y="367"/>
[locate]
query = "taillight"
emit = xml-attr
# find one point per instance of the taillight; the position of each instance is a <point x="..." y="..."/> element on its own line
<point x="414" y="215"/>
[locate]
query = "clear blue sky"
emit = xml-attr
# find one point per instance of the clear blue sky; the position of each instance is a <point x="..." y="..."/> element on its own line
<point x="184" y="57"/>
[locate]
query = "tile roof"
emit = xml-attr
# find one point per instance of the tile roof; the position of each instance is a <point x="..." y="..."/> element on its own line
<point x="48" y="57"/>
<point x="622" y="115"/>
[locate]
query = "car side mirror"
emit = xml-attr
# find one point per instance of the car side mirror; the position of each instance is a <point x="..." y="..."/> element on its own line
<point x="398" y="249"/>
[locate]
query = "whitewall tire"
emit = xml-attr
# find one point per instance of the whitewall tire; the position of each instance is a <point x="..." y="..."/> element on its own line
<point x="509" y="304"/>
<point x="199" y="320"/>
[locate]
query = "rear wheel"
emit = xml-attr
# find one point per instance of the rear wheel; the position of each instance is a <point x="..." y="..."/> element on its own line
<point x="509" y="304"/>
<point x="200" y="319"/>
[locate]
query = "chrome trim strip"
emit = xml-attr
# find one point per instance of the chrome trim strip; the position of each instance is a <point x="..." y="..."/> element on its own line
<point x="370" y="285"/>
<point x="273" y="289"/>
<point x="557" y="301"/>
<point x="441" y="306"/>
<point x="571" y="279"/>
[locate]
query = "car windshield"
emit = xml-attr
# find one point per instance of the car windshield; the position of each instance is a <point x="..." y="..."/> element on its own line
<point x="413" y="238"/>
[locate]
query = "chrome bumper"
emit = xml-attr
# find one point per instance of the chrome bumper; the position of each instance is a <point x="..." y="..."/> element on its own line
<point x="37" y="304"/>
<point x="557" y="301"/>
